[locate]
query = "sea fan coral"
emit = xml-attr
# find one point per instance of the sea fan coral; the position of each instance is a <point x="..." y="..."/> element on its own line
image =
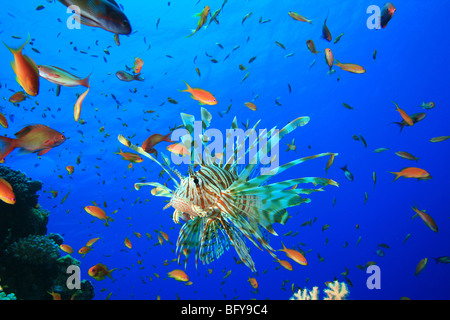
<point x="336" y="291"/>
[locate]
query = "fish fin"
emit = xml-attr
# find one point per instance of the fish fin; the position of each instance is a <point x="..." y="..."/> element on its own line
<point x="188" y="89"/>
<point x="44" y="151"/>
<point x="397" y="175"/>
<point x="6" y="146"/>
<point x="85" y="81"/>
<point x="23" y="132"/>
<point x="19" y="49"/>
<point x="114" y="3"/>
<point x="189" y="237"/>
<point x="89" y="22"/>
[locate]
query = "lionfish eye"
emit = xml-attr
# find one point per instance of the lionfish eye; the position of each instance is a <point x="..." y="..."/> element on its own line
<point x="196" y="180"/>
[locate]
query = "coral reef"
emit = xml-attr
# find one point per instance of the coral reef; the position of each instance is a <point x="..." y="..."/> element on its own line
<point x="10" y="296"/>
<point x="31" y="266"/>
<point x="336" y="291"/>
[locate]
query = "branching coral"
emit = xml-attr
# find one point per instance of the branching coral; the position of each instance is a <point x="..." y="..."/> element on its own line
<point x="336" y="291"/>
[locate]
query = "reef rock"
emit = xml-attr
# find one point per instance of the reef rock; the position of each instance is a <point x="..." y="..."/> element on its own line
<point x="31" y="266"/>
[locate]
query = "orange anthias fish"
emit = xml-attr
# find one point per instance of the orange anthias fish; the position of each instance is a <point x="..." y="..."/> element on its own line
<point x="92" y="241"/>
<point x="329" y="58"/>
<point x="128" y="243"/>
<point x="31" y="139"/>
<point x="311" y="46"/>
<point x="326" y="34"/>
<point x="70" y="169"/>
<point x="178" y="275"/>
<point x="426" y="218"/>
<point x="84" y="250"/>
<point x="66" y="248"/>
<point x="294" y="255"/>
<point x="6" y="192"/>
<point x="77" y="107"/>
<point x="404" y="115"/>
<point x="98" y="213"/>
<point x="202" y="96"/>
<point x="285" y="264"/>
<point x="129" y="156"/>
<point x="62" y="77"/>
<point x="203" y="17"/>
<point x="253" y="282"/>
<point x="100" y="272"/>
<point x="298" y="17"/>
<point x="3" y="121"/>
<point x="251" y="106"/>
<point x="26" y="70"/>
<point x="178" y="149"/>
<point x="350" y="67"/>
<point x="138" y="63"/>
<point x="55" y="295"/>
<point x="411" y="172"/>
<point x="17" y="97"/>
<point x="149" y="144"/>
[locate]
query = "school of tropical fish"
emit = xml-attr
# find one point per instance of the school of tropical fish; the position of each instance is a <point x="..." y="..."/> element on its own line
<point x="220" y="206"/>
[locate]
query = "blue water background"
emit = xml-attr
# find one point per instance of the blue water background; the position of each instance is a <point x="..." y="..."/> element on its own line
<point x="411" y="67"/>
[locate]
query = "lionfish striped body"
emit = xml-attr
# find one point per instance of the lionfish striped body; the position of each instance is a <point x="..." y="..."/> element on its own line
<point x="223" y="204"/>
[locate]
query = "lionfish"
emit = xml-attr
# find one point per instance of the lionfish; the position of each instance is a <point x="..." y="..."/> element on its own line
<point x="223" y="202"/>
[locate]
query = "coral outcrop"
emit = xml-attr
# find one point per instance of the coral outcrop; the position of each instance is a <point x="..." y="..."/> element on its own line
<point x="31" y="266"/>
<point x="336" y="291"/>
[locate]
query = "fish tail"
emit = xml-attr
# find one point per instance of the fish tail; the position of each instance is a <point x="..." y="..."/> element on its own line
<point x="397" y="175"/>
<point x="7" y="145"/>
<point x="109" y="273"/>
<point x="85" y="81"/>
<point x="188" y="89"/>
<point x="138" y="77"/>
<point x="19" y="49"/>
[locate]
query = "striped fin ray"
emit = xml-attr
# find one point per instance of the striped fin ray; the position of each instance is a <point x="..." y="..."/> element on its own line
<point x="237" y="212"/>
<point x="189" y="238"/>
<point x="242" y="145"/>
<point x="291" y="126"/>
<point x="214" y="241"/>
<point x="137" y="149"/>
<point x="206" y="121"/>
<point x="240" y="184"/>
<point x="280" y="186"/>
<point x="238" y="244"/>
<point x="226" y="165"/>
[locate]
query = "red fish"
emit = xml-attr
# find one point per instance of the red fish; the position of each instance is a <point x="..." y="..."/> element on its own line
<point x="31" y="139"/>
<point x="149" y="144"/>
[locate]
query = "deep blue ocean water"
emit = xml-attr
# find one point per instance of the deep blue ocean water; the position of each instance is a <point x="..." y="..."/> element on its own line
<point x="410" y="68"/>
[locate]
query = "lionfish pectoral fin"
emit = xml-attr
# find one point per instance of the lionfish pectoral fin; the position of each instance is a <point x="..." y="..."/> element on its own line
<point x="137" y="149"/>
<point x="238" y="244"/>
<point x="189" y="237"/>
